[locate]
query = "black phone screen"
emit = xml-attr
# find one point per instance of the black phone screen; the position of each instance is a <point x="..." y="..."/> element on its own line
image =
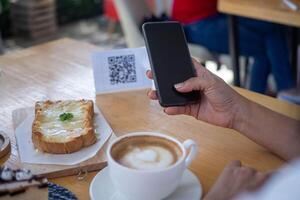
<point x="170" y="61"/>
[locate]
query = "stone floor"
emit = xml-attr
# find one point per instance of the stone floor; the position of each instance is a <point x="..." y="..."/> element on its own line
<point x="92" y="30"/>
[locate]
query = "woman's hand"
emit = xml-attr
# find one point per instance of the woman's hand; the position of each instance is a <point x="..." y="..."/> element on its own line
<point x="219" y="103"/>
<point x="234" y="180"/>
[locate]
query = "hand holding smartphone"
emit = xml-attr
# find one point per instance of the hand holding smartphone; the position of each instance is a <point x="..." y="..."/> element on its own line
<point x="170" y="62"/>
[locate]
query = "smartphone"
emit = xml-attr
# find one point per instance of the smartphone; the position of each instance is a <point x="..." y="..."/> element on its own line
<point x="170" y="62"/>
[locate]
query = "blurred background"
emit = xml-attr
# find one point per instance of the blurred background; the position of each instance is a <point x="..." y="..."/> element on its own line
<point x="109" y="24"/>
<point x="25" y="23"/>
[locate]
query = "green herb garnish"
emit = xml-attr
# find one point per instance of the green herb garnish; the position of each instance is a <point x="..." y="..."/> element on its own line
<point x="65" y="116"/>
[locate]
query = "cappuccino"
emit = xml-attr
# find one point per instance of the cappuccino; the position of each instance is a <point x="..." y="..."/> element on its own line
<point x="146" y="152"/>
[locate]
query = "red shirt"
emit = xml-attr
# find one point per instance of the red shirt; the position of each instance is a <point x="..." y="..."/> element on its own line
<point x="110" y="10"/>
<point x="188" y="11"/>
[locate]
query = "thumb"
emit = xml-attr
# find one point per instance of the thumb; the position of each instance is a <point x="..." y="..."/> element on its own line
<point x="202" y="82"/>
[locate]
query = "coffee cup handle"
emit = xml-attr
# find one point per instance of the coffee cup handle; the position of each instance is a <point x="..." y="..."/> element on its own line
<point x="192" y="147"/>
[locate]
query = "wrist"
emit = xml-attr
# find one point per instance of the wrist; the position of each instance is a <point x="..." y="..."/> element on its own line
<point x="242" y="114"/>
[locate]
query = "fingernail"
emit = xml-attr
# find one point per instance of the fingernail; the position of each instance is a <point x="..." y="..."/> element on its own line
<point x="178" y="85"/>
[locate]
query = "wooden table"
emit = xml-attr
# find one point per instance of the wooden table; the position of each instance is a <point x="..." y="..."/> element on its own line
<point x="62" y="69"/>
<point x="267" y="10"/>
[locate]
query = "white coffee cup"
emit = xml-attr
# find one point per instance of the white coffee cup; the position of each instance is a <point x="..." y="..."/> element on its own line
<point x="153" y="184"/>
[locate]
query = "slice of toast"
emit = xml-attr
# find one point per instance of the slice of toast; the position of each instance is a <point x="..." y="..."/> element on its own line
<point x="62" y="127"/>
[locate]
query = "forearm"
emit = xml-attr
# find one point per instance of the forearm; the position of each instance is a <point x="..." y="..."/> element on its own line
<point x="276" y="132"/>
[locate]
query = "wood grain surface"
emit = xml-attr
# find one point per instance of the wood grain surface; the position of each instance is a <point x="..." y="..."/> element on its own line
<point x="46" y="72"/>
<point x="62" y="69"/>
<point x="268" y="10"/>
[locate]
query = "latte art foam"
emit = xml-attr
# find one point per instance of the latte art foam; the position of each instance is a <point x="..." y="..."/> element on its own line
<point x="146" y="152"/>
<point x="148" y="157"/>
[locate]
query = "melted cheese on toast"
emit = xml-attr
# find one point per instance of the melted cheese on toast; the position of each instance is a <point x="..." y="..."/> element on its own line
<point x="54" y="129"/>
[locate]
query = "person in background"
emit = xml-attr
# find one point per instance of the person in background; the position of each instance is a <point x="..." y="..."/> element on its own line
<point x="263" y="41"/>
<point x="222" y="106"/>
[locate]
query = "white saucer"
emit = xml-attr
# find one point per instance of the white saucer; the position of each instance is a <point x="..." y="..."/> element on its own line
<point x="102" y="188"/>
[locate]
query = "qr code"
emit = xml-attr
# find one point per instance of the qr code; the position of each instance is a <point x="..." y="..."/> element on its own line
<point x="122" y="69"/>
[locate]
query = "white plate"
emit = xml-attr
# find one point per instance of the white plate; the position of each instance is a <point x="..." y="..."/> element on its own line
<point x="102" y="188"/>
<point x="28" y="154"/>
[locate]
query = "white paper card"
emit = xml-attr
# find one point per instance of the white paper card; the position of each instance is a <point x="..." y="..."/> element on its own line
<point x="120" y="70"/>
<point x="28" y="154"/>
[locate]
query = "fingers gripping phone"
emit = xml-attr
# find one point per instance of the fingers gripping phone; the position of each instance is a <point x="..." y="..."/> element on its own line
<point x="170" y="62"/>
